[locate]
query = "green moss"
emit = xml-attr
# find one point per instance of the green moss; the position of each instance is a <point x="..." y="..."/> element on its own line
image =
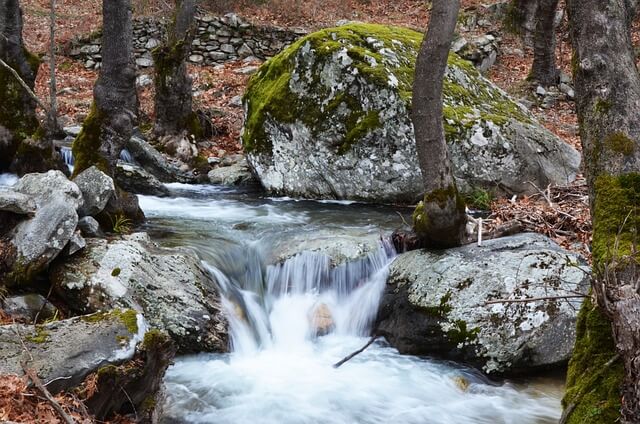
<point x="128" y="317"/>
<point x="460" y="334"/>
<point x="615" y="218"/>
<point x="153" y="339"/>
<point x="602" y="107"/>
<point x="107" y="371"/>
<point x="594" y="376"/>
<point x="115" y="272"/>
<point x="440" y="311"/>
<point x="479" y="198"/>
<point x="270" y="94"/>
<point x="148" y="404"/>
<point x="41" y="335"/>
<point x="86" y="147"/>
<point x="619" y="142"/>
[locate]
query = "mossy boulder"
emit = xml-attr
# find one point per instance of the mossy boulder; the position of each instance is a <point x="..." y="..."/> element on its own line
<point x="440" y="303"/>
<point x="329" y="117"/>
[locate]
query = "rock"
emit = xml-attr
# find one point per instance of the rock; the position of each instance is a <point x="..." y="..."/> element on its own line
<point x="341" y="127"/>
<point x="180" y="147"/>
<point x="164" y="169"/>
<point x="234" y="175"/>
<point x="170" y="286"/>
<point x="236" y="101"/>
<point x="144" y="80"/>
<point x="76" y="243"/>
<point x="38" y="240"/>
<point x="89" y="227"/>
<point x="247" y="70"/>
<point x="540" y="91"/>
<point x="72" y="348"/>
<point x="135" y="179"/>
<point x="321" y="320"/>
<point x="97" y="188"/>
<point x="73" y="130"/>
<point x="435" y="303"/>
<point x="196" y="58"/>
<point x="568" y="90"/>
<point x="18" y="203"/>
<point x="144" y="62"/>
<point x="27" y="307"/>
<point x="151" y="44"/>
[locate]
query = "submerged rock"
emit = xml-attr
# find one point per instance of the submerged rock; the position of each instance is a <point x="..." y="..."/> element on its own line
<point x="330" y="118"/>
<point x="176" y="294"/>
<point x="439" y="303"/>
<point x="321" y="320"/>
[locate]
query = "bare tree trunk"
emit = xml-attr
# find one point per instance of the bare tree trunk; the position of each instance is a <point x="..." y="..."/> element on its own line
<point x="521" y="19"/>
<point x="608" y="101"/>
<point x="17" y="109"/>
<point x="544" y="69"/>
<point x="173" y="101"/>
<point x="440" y="219"/>
<point x="114" y="112"/>
<point x="53" y="127"/>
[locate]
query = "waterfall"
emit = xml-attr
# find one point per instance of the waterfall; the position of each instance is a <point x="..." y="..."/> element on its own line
<point x="298" y="296"/>
<point x="67" y="156"/>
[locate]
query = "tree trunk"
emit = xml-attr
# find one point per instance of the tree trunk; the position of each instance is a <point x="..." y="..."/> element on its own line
<point x="113" y="114"/>
<point x="544" y="69"/>
<point x="440" y="219"/>
<point x="17" y="109"/>
<point x="521" y="19"/>
<point x="53" y="127"/>
<point x="608" y="101"/>
<point x="173" y="101"/>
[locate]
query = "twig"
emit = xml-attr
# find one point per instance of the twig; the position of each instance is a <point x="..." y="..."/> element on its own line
<point x="36" y="381"/>
<point x="24" y="85"/>
<point x="534" y="299"/>
<point x="357" y="352"/>
<point x="403" y="220"/>
<point x="543" y="193"/>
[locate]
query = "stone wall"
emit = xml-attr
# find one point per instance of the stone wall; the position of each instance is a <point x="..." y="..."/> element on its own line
<point x="218" y="40"/>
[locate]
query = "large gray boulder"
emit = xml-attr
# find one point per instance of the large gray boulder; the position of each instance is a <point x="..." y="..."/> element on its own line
<point x="442" y="303"/>
<point x="69" y="350"/>
<point x="135" y="179"/>
<point x="38" y="240"/>
<point x="165" y="169"/>
<point x="97" y="188"/>
<point x="170" y="286"/>
<point x="329" y="117"/>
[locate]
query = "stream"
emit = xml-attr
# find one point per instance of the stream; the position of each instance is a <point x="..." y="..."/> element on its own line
<point x="279" y="369"/>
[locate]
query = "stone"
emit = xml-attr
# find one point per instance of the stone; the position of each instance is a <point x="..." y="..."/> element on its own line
<point x="73" y="130"/>
<point x="227" y="48"/>
<point x="196" y="58"/>
<point x="217" y="56"/>
<point x="89" y="64"/>
<point x="449" y="303"/>
<point x="90" y="49"/>
<point x="321" y="320"/>
<point x="170" y="286"/>
<point x="236" y="101"/>
<point x="568" y="90"/>
<point x="18" y="203"/>
<point x="90" y="227"/>
<point x="29" y="307"/>
<point x="245" y="51"/>
<point x="97" y="188"/>
<point x="136" y="179"/>
<point x="341" y="127"/>
<point x="144" y="80"/>
<point x="540" y="91"/>
<point x="163" y="168"/>
<point x="237" y="174"/>
<point x="247" y="70"/>
<point x="39" y="239"/>
<point x="151" y="44"/>
<point x="76" y="243"/>
<point x="144" y="62"/>
<point x="65" y="352"/>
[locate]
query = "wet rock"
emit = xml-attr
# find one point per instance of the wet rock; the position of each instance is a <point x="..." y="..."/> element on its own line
<point x="65" y="352"/>
<point x="163" y="168"/>
<point x="321" y="320"/>
<point x="135" y="179"/>
<point x="348" y="134"/>
<point x="29" y="306"/>
<point x="97" y="188"/>
<point x="234" y="175"/>
<point x="439" y="303"/>
<point x="18" y="203"/>
<point x="176" y="294"/>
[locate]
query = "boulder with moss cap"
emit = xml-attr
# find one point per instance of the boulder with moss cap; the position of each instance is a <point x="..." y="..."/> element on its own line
<point x="329" y="117"/>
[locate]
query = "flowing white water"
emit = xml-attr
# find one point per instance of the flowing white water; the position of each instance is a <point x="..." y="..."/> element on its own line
<point x="280" y="369"/>
<point x="7" y="180"/>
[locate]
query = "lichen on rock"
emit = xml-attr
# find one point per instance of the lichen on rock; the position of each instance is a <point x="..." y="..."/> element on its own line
<point x="329" y="117"/>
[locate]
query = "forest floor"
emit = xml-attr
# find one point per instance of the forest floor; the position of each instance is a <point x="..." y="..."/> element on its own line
<point x="560" y="212"/>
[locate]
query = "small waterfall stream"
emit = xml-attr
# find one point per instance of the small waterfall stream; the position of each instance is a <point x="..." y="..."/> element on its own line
<point x="290" y="322"/>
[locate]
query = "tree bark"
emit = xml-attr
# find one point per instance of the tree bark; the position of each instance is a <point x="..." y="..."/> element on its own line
<point x="440" y="219"/>
<point x="114" y="112"/>
<point x="521" y="19"/>
<point x="608" y="102"/>
<point x="544" y="69"/>
<point x="53" y="127"/>
<point x="18" y="109"/>
<point x="173" y="101"/>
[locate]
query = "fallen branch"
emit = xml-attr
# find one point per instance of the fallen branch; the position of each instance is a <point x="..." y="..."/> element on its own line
<point x="24" y="85"/>
<point x="36" y="382"/>
<point x="534" y="299"/>
<point x="357" y="352"/>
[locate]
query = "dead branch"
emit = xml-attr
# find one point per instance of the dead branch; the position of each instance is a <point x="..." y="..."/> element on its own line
<point x="357" y="352"/>
<point x="36" y="382"/>
<point x="24" y="85"/>
<point x="535" y="299"/>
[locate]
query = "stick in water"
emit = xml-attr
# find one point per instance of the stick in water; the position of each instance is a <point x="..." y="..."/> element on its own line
<point x="357" y="352"/>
